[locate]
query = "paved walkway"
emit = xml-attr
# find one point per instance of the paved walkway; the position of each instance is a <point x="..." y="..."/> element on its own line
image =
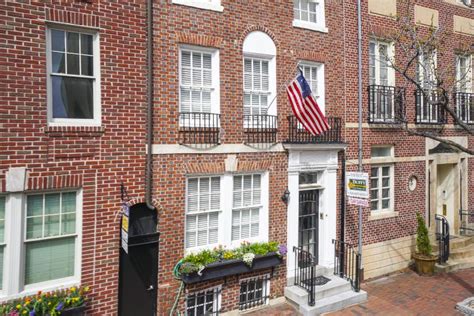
<point x="404" y="294"/>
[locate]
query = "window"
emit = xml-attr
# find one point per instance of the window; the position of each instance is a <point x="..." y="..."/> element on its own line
<point x="426" y="70"/>
<point x="73" y="77"/>
<point x="203" y="206"/>
<point x="213" y="5"/>
<point x="246" y="206"/>
<point x="46" y="252"/>
<point x="206" y="302"/>
<point x="464" y="73"/>
<point x="199" y="87"/>
<point x="259" y="80"/>
<point x="314" y="75"/>
<point x="427" y="112"/>
<point x="381" y="151"/>
<point x="381" y="188"/>
<point x="256" y="86"/>
<point x="50" y="239"/>
<point x="226" y="210"/>
<point x="254" y="292"/>
<point x="309" y="14"/>
<point x="380" y="72"/>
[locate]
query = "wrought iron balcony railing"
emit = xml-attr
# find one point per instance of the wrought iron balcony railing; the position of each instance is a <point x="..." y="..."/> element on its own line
<point x="386" y="104"/>
<point x="260" y="128"/>
<point x="464" y="106"/>
<point x="199" y="128"/>
<point x="298" y="135"/>
<point x="427" y="111"/>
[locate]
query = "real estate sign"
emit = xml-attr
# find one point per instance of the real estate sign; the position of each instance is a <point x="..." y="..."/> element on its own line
<point x="357" y="188"/>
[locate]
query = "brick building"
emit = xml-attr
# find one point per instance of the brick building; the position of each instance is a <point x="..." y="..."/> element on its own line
<point x="226" y="147"/>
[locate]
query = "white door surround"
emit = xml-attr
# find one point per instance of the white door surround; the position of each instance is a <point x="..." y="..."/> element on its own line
<point x="324" y="161"/>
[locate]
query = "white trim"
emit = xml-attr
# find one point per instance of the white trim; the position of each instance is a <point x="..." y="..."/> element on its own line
<point x="213" y="5"/>
<point x="391" y="59"/>
<point x="321" y="86"/>
<point x="320" y="25"/>
<point x="310" y="26"/>
<point x="96" y="90"/>
<point x="391" y="206"/>
<point x="216" y="303"/>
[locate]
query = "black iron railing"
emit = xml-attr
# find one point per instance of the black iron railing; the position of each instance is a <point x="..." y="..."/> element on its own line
<point x="442" y="236"/>
<point x="466" y="219"/>
<point x="199" y="128"/>
<point x="298" y="135"/>
<point x="386" y="104"/>
<point x="464" y="106"/>
<point x="427" y="110"/>
<point x="254" y="292"/>
<point x="305" y="273"/>
<point x="260" y="128"/>
<point x="347" y="263"/>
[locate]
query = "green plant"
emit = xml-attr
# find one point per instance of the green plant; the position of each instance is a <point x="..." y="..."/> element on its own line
<point x="49" y="303"/>
<point x="422" y="240"/>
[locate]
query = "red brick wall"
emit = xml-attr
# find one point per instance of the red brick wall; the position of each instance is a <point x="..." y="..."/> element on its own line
<point x="97" y="159"/>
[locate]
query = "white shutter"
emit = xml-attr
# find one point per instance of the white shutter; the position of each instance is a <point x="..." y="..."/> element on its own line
<point x="185" y="68"/>
<point x="215" y="193"/>
<point x="207" y="70"/>
<point x="213" y="227"/>
<point x="192" y="195"/>
<point x="185" y="100"/>
<point x="245" y="224"/>
<point x="202" y="229"/>
<point x="247" y="74"/>
<point x="204" y="186"/>
<point x="255" y="222"/>
<point x="235" y="225"/>
<point x="191" y="231"/>
<point x="195" y="101"/>
<point x="257" y="85"/>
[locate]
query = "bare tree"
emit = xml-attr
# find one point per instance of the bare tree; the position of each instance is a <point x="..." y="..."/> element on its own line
<point x="417" y="50"/>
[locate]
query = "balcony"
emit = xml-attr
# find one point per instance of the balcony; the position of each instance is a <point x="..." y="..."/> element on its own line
<point x="199" y="128"/>
<point x="426" y="111"/>
<point x="260" y="128"/>
<point x="386" y="104"/>
<point x="464" y="103"/>
<point x="298" y="135"/>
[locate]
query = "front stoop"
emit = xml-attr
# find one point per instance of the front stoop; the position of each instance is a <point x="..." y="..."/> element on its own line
<point x="334" y="295"/>
<point x="461" y="255"/>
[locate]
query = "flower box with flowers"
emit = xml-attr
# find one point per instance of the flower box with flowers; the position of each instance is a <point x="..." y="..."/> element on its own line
<point x="69" y="302"/>
<point x="220" y="262"/>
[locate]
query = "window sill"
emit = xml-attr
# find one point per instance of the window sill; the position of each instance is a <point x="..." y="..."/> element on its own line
<point x="377" y="215"/>
<point x="199" y="5"/>
<point x="61" y="130"/>
<point x="49" y="286"/>
<point x="310" y="26"/>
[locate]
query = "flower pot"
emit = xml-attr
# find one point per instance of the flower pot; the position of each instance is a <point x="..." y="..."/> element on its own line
<point x="221" y="269"/>
<point x="74" y="311"/>
<point x="425" y="264"/>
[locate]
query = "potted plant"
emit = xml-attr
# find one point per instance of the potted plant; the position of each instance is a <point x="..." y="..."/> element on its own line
<point x="69" y="302"/>
<point x="424" y="259"/>
<point x="220" y="262"/>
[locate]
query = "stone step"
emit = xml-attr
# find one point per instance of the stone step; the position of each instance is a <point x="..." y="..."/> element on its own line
<point x="334" y="303"/>
<point x="461" y="253"/>
<point x="455" y="243"/>
<point x="455" y="265"/>
<point x="333" y="287"/>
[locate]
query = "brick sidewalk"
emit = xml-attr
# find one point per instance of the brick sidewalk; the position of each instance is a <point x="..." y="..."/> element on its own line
<point x="403" y="294"/>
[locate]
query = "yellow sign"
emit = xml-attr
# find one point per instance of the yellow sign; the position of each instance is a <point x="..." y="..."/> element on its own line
<point x="357" y="184"/>
<point x="125" y="223"/>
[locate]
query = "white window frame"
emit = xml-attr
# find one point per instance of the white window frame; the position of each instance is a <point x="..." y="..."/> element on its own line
<point x="390" y="55"/>
<point x="225" y="215"/>
<point x="320" y="25"/>
<point x="217" y="302"/>
<point x="320" y="94"/>
<point x="379" y="199"/>
<point x="467" y="76"/>
<point x="96" y="120"/>
<point x="15" y="250"/>
<point x="215" y="76"/>
<point x="427" y="87"/>
<point x="267" y="287"/>
<point x="212" y="5"/>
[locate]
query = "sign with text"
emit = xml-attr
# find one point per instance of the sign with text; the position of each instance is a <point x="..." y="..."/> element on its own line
<point x="358" y="202"/>
<point x="357" y="185"/>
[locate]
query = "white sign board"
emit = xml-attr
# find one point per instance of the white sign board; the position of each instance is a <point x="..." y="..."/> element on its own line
<point x="357" y="185"/>
<point x="358" y="202"/>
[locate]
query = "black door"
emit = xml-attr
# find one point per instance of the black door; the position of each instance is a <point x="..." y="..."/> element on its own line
<point x="138" y="272"/>
<point x="308" y="222"/>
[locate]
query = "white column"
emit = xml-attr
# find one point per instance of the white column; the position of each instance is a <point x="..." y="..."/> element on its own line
<point x="292" y="221"/>
<point x="327" y="226"/>
<point x="12" y="280"/>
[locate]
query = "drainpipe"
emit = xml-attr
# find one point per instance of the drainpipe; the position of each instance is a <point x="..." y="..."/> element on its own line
<point x="359" y="70"/>
<point x="149" y="116"/>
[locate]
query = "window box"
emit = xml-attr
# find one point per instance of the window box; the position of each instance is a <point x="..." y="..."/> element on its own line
<point x="75" y="311"/>
<point x="224" y="268"/>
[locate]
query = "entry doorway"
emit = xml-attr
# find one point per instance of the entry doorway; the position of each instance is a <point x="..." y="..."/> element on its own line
<point x="447" y="193"/>
<point x="308" y="222"/>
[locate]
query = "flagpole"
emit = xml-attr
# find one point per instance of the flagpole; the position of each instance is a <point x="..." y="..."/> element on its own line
<point x="282" y="85"/>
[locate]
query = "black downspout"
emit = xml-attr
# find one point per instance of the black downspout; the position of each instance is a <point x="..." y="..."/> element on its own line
<point x="342" y="218"/>
<point x="149" y="127"/>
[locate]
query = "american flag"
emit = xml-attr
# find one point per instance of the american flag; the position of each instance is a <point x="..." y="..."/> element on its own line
<point x="305" y="107"/>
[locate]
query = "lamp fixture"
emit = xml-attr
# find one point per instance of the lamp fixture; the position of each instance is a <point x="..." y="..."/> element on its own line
<point x="286" y="196"/>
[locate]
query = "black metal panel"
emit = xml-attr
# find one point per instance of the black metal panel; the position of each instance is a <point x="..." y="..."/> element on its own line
<point x="138" y="272"/>
<point x="298" y="135"/>
<point x="308" y="236"/>
<point x="442" y="236"/>
<point x="386" y="104"/>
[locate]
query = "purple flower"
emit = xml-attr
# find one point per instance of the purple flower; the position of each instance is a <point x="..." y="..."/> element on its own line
<point x="282" y="250"/>
<point x="60" y="306"/>
<point x="32" y="313"/>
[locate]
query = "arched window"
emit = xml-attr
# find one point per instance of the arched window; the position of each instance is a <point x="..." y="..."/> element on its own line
<point x="259" y="78"/>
